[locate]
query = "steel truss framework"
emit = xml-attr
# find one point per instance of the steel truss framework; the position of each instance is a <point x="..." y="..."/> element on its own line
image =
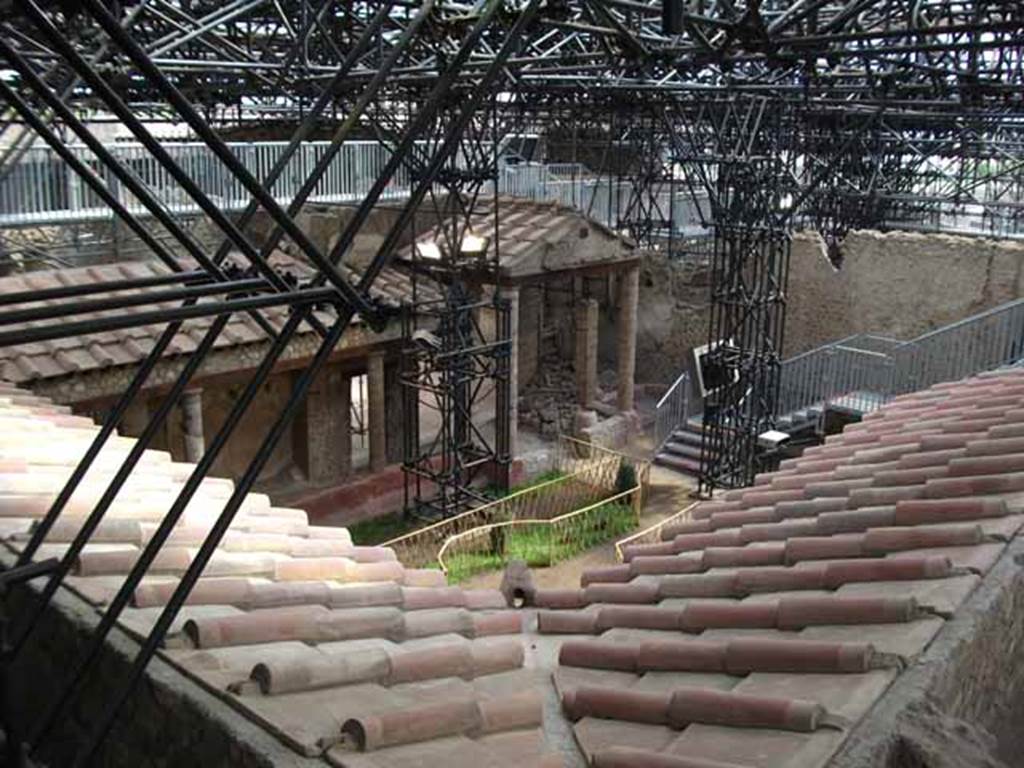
<point x="831" y="113"/>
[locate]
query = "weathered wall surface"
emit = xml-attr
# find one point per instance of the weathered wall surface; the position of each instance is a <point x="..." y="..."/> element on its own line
<point x="898" y="284"/>
<point x="673" y="316"/>
<point x="962" y="702"/>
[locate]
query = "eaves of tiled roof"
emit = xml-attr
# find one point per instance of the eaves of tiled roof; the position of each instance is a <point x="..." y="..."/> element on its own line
<point x="536" y="238"/>
<point x="35" y="361"/>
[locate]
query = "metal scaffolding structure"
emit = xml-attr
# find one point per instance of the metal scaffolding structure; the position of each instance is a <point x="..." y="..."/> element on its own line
<point x="833" y="114"/>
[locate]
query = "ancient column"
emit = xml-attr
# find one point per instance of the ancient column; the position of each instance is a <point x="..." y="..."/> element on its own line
<point x="586" y="352"/>
<point x="628" y="299"/>
<point x="322" y="430"/>
<point x="511" y="294"/>
<point x="192" y="424"/>
<point x="136" y="418"/>
<point x="376" y="414"/>
<point x="395" y="412"/>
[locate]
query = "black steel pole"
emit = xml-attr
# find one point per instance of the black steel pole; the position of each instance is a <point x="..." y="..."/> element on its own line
<point x="303" y="132"/>
<point x="105" y="286"/>
<point x="170" y="520"/>
<point x="94" y="518"/>
<point x="86" y="174"/>
<point x="31" y="314"/>
<point x="97" y="325"/>
<point x="138" y="189"/>
<point x="135" y="125"/>
<point x="152" y="73"/>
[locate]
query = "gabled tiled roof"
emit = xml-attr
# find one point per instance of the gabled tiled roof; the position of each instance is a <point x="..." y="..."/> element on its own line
<point x="535" y="238"/>
<point x="763" y="628"/>
<point x="337" y="649"/>
<point x="61" y="357"/>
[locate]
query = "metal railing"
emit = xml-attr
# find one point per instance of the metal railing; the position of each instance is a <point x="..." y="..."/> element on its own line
<point x="862" y="372"/>
<point x="671" y="410"/>
<point x="589" y="473"/>
<point x="979" y="343"/>
<point x="542" y="542"/>
<point x="652" y="533"/>
<point x="856" y="373"/>
<point x="41" y="189"/>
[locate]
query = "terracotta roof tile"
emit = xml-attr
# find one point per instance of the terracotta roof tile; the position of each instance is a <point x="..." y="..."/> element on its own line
<point x="752" y="618"/>
<point x="903" y="511"/>
<point x="63" y="357"/>
<point x="353" y="604"/>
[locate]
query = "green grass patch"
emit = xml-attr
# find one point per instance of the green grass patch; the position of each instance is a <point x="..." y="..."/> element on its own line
<point x="541" y="546"/>
<point x="381" y="529"/>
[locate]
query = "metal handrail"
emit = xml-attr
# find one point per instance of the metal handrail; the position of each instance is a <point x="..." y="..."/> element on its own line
<point x="41" y="189"/>
<point x="863" y="371"/>
<point x="652" y="531"/>
<point x="671" y="410"/>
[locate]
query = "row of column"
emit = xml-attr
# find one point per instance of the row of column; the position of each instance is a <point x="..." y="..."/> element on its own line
<point x="322" y="432"/>
<point x="586" y="343"/>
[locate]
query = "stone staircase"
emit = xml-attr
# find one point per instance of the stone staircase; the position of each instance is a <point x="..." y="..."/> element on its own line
<point x="682" y="449"/>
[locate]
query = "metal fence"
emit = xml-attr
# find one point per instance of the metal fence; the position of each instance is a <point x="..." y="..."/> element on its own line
<point x="42" y="190"/>
<point x="979" y="343"/>
<point x="652" y="534"/>
<point x="589" y="474"/>
<point x="540" y="543"/>
<point x="856" y="373"/>
<point x="862" y="372"/>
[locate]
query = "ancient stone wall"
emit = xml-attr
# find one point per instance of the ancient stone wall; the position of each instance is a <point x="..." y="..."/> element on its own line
<point x="963" y="701"/>
<point x="673" y="315"/>
<point x="898" y="284"/>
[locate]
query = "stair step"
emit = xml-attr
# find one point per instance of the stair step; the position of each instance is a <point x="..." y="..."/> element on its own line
<point x="687" y="450"/>
<point x="680" y="463"/>
<point x="687" y="438"/>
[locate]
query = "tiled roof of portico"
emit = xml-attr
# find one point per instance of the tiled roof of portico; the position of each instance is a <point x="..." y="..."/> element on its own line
<point x="541" y="237"/>
<point x="757" y="634"/>
<point x="23" y="363"/>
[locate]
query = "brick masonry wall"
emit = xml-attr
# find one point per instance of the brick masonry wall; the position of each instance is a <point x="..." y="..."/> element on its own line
<point x="170" y="720"/>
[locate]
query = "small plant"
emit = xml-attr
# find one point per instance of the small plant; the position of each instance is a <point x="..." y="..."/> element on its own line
<point x="625" y="479"/>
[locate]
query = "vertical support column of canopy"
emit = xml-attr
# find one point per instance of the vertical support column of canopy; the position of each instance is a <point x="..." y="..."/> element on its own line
<point x="628" y="300"/>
